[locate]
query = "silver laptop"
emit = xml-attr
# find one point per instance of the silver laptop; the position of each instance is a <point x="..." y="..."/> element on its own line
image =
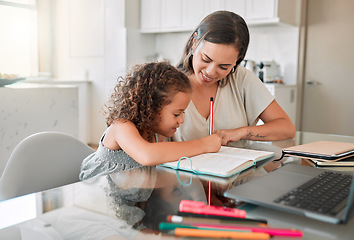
<point x="286" y="189"/>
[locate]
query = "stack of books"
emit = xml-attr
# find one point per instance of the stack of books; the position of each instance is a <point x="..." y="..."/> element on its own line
<point x="324" y="153"/>
<point x="196" y="219"/>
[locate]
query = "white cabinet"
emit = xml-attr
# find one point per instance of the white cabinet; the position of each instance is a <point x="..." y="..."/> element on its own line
<point x="261" y="9"/>
<point x="285" y="95"/>
<point x="176" y="15"/>
<point x="260" y="12"/>
<point x="170" y="15"/>
<point x="184" y="15"/>
<point x="193" y="12"/>
<point x="150" y="13"/>
<point x="236" y="6"/>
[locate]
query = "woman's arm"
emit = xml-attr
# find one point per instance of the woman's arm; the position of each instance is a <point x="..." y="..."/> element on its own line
<point x="127" y="137"/>
<point x="277" y="126"/>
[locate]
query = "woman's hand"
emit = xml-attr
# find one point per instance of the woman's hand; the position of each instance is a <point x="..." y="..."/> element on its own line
<point x="212" y="143"/>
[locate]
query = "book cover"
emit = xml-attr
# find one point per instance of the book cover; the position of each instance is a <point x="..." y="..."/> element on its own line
<point x="346" y="162"/>
<point x="322" y="150"/>
<point x="224" y="163"/>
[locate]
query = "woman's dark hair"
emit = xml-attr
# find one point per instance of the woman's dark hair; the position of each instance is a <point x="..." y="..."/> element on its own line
<point x="141" y="95"/>
<point x="222" y="27"/>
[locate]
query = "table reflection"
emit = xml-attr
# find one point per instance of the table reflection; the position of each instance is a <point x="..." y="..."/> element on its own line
<point x="131" y="204"/>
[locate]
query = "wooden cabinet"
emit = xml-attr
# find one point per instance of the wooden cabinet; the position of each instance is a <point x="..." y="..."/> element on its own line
<point x="184" y="15"/>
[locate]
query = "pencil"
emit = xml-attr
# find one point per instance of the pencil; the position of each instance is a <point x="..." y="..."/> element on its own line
<point x="211" y="116"/>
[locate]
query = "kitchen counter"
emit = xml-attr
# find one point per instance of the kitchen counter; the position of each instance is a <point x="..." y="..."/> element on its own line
<point x="28" y="108"/>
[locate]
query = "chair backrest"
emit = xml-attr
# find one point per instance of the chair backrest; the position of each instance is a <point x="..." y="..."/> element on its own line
<point x="42" y="161"/>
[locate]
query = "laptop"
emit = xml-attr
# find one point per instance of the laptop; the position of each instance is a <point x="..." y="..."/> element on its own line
<point x="281" y="189"/>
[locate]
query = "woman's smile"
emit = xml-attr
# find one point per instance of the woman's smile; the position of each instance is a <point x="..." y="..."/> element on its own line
<point x="205" y="78"/>
<point x="213" y="61"/>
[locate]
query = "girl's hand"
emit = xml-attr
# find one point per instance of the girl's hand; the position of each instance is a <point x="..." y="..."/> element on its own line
<point x="211" y="143"/>
<point x="230" y="135"/>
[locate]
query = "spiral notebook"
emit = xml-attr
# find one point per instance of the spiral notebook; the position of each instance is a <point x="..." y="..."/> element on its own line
<point x="224" y="163"/>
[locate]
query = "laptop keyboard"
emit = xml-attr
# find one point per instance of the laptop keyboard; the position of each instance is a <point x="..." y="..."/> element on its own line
<point x="326" y="193"/>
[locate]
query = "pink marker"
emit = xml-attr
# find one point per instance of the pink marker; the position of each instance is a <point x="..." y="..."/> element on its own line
<point x="202" y="208"/>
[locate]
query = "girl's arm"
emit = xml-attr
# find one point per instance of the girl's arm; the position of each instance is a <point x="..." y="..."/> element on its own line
<point x="277" y="126"/>
<point x="126" y="136"/>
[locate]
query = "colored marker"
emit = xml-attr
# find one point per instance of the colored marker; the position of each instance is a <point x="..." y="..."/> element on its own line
<point x="268" y="230"/>
<point x="191" y="220"/>
<point x="202" y="208"/>
<point x="187" y="214"/>
<point x="233" y="227"/>
<point x="188" y="232"/>
<point x="165" y="227"/>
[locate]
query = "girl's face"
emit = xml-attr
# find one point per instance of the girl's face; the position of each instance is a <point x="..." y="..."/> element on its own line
<point x="213" y="61"/>
<point x="171" y="115"/>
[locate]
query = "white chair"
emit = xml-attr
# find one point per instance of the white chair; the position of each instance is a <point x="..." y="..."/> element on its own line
<point x="42" y="161"/>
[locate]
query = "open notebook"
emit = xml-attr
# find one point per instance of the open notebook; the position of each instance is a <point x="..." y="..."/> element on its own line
<point x="224" y="163"/>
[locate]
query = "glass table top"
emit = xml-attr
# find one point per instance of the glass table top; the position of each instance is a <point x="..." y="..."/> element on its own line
<point x="131" y="204"/>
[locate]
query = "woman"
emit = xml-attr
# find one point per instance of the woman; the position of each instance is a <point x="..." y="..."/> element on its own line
<point x="211" y="61"/>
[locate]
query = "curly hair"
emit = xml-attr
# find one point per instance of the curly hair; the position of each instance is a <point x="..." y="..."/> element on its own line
<point x="141" y="95"/>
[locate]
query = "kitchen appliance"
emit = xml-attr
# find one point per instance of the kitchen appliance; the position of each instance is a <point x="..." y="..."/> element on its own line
<point x="250" y="65"/>
<point x="268" y="71"/>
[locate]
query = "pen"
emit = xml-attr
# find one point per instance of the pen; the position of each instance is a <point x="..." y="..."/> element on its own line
<point x="202" y="208"/>
<point x="191" y="220"/>
<point x="188" y="232"/>
<point x="211" y="117"/>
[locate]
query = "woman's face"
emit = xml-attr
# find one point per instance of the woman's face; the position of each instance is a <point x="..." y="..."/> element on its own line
<point x="213" y="61"/>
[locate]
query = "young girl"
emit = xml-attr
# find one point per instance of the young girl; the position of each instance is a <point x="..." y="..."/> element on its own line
<point x="145" y="107"/>
<point x="211" y="60"/>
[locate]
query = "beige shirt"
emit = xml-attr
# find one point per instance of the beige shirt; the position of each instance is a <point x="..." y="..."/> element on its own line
<point x="237" y="104"/>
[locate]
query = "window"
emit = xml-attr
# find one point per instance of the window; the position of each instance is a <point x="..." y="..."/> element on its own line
<point x="19" y="37"/>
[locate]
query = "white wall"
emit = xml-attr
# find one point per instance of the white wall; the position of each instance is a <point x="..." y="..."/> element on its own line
<point x="97" y="42"/>
<point x="101" y="40"/>
<point x="171" y="45"/>
<point x="79" y="51"/>
<point x="278" y="43"/>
